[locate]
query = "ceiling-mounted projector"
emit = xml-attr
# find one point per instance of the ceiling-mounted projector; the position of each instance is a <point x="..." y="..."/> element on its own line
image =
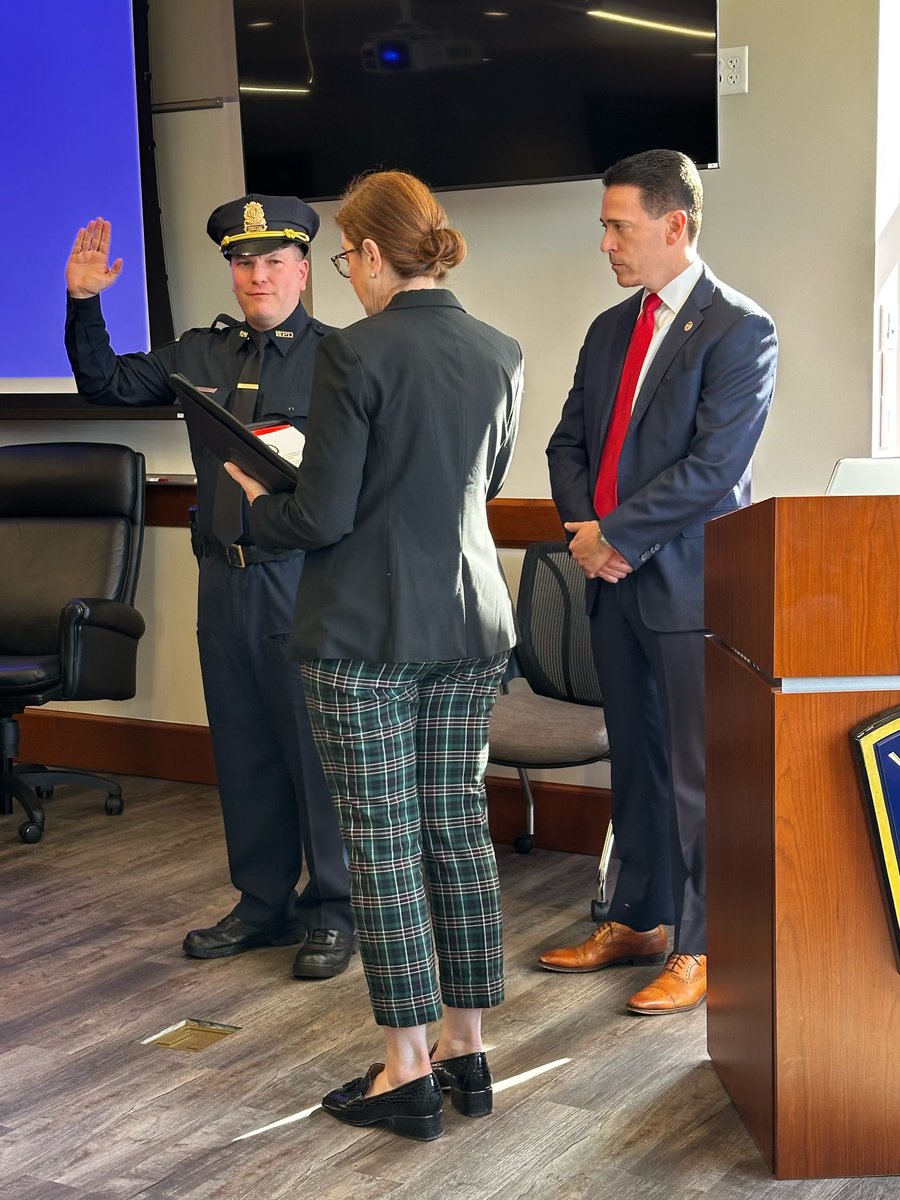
<point x="411" y="47"/>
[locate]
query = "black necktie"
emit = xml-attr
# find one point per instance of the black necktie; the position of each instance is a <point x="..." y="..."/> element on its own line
<point x="228" y="500"/>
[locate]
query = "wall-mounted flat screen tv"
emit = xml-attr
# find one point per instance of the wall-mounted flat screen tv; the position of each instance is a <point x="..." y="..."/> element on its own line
<point x="78" y="143"/>
<point x="469" y="93"/>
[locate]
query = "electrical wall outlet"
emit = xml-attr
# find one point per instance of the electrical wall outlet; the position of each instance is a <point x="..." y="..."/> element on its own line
<point x="732" y="67"/>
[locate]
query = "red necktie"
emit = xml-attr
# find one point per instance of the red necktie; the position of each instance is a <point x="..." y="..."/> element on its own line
<point x="605" y="496"/>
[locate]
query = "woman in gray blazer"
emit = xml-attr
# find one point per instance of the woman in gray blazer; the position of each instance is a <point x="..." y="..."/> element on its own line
<point x="403" y="626"/>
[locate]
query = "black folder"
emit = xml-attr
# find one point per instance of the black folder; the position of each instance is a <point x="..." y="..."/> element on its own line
<point x="215" y="428"/>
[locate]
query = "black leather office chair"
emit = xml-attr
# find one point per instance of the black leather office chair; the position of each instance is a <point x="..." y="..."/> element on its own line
<point x="557" y="720"/>
<point x="71" y="532"/>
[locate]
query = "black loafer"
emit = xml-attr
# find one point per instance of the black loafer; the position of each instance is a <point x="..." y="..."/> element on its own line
<point x="468" y="1080"/>
<point x="324" y="954"/>
<point x="234" y="936"/>
<point x="413" y="1110"/>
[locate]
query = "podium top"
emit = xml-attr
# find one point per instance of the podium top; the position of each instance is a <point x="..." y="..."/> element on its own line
<point x="808" y="585"/>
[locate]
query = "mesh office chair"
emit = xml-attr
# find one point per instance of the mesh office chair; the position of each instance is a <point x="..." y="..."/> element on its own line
<point x="71" y="532"/>
<point x="558" y="720"/>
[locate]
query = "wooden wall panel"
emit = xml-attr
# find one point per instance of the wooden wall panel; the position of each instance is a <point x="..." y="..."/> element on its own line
<point x="155" y="749"/>
<point x="514" y="522"/>
<point x="168" y="504"/>
<point x="567" y="817"/>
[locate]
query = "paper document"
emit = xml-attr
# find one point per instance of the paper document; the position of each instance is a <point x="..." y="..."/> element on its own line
<point x="284" y="439"/>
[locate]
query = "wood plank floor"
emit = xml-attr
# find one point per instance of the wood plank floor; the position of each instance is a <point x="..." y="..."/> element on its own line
<point x="619" y="1108"/>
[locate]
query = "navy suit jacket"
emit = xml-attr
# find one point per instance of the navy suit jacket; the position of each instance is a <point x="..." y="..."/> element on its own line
<point x="686" y="456"/>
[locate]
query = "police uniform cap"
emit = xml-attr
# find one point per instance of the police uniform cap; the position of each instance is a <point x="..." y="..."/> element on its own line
<point x="260" y="224"/>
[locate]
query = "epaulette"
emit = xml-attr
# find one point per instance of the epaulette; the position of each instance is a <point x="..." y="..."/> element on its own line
<point x="319" y="328"/>
<point x="225" y="319"/>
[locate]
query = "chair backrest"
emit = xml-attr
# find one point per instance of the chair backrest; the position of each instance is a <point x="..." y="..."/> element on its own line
<point x="71" y="525"/>
<point x="554" y="650"/>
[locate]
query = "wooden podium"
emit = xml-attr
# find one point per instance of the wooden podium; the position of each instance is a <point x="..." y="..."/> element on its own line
<point x="802" y="599"/>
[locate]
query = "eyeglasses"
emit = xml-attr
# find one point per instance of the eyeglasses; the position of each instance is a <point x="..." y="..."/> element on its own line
<point x="340" y="262"/>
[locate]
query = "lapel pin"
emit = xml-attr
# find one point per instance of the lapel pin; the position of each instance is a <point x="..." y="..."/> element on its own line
<point x="689" y="325"/>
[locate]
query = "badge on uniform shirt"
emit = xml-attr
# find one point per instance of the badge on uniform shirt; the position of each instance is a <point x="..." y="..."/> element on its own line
<point x="877" y="747"/>
<point x="283" y="333"/>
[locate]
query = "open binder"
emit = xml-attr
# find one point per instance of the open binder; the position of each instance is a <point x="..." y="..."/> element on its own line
<point x="215" y="428"/>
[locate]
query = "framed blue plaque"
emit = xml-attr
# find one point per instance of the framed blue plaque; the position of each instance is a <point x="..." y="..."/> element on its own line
<point x="877" y="749"/>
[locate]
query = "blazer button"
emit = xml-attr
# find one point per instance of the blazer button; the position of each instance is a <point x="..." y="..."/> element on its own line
<point x="645" y="556"/>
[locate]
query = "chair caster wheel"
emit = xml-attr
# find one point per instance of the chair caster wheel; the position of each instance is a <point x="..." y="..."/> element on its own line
<point x="524" y="843"/>
<point x="599" y="911"/>
<point x="30" y="831"/>
<point x="43" y="793"/>
<point x="114" y="805"/>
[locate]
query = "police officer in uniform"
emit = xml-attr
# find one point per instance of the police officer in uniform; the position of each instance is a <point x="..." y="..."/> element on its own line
<point x="275" y="802"/>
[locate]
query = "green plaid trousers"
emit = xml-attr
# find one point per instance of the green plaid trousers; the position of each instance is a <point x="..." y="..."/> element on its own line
<point x="404" y="747"/>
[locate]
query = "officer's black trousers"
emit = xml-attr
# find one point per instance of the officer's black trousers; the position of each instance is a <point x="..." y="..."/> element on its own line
<point x="275" y="802"/>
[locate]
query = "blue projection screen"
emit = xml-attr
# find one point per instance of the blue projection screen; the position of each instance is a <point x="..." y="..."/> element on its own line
<point x="71" y="153"/>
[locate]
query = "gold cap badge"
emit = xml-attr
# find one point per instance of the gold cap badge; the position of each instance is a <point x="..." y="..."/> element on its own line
<point x="254" y="217"/>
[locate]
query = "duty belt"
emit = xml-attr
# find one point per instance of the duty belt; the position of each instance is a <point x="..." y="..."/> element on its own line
<point x="237" y="555"/>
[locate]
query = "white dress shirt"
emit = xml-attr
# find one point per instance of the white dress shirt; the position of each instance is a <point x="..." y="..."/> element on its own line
<point x="673" y="296"/>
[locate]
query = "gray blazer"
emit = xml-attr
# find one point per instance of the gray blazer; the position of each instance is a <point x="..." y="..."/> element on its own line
<point x="411" y="427"/>
<point x="686" y="455"/>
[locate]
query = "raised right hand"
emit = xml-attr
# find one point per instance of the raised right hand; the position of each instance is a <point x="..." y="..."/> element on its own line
<point x="88" y="272"/>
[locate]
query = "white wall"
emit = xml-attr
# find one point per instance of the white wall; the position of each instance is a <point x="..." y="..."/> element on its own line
<point x="789" y="218"/>
<point x="886" y="384"/>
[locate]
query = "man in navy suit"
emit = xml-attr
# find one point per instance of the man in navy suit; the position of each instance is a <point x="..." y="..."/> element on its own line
<point x="688" y="365"/>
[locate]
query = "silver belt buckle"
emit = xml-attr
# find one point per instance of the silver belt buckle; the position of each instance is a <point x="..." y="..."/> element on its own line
<point x="235" y="555"/>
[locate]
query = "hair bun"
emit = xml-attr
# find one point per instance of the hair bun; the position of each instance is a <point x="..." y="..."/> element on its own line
<point x="403" y="217"/>
<point x="442" y="247"/>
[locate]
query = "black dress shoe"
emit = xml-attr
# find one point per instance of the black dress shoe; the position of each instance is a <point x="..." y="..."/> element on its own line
<point x="324" y="954"/>
<point x="468" y="1080"/>
<point x="234" y="936"/>
<point x="413" y="1110"/>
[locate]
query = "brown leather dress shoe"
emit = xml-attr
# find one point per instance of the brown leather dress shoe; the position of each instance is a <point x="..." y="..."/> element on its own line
<point x="679" y="987"/>
<point x="609" y="945"/>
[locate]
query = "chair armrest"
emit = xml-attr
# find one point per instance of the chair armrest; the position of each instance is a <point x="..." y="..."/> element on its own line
<point x="98" y="648"/>
<point x="104" y="614"/>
